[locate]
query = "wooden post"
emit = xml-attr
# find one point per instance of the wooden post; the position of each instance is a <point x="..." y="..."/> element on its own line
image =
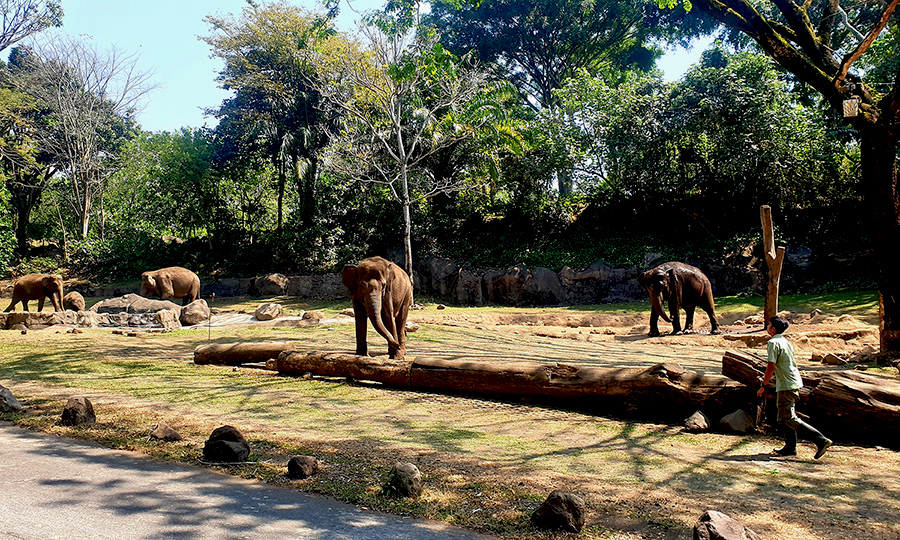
<point x="774" y="259"/>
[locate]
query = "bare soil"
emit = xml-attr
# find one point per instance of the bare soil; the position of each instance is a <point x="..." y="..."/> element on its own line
<point x="640" y="480"/>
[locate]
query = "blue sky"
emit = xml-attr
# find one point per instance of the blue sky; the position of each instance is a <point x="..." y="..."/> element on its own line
<point x="164" y="33"/>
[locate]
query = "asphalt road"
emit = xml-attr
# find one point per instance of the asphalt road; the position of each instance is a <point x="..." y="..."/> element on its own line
<point x="52" y="487"/>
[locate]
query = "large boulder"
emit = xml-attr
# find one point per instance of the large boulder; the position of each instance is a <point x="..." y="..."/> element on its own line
<point x="226" y="445"/>
<point x="78" y="411"/>
<point x="560" y="512"/>
<point x="714" y="525"/>
<point x="196" y="312"/>
<point x="320" y="287"/>
<point x="133" y="303"/>
<point x="270" y="285"/>
<point x="523" y="286"/>
<point x="268" y="312"/>
<point x="74" y="301"/>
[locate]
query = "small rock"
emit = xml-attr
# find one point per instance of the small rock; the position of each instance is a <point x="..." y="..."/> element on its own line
<point x="833" y="360"/>
<point x="404" y="480"/>
<point x="8" y="402"/>
<point x="300" y="467"/>
<point x="441" y="306"/>
<point x="561" y="511"/>
<point x="226" y="445"/>
<point x="313" y="316"/>
<point x="78" y="411"/>
<point x="24" y="331"/>
<point x="817" y="358"/>
<point x="268" y="312"/>
<point x="347" y="312"/>
<point x="738" y="421"/>
<point x="714" y="525"/>
<point x="411" y="326"/>
<point x="697" y="422"/>
<point x="165" y="432"/>
<point x="861" y="367"/>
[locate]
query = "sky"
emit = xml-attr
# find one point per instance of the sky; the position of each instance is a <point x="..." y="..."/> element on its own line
<point x="165" y="35"/>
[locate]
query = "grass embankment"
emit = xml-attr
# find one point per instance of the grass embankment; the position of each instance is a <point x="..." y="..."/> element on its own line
<point x="486" y="465"/>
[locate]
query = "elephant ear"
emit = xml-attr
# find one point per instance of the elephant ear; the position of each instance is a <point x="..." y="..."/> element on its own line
<point x="674" y="285"/>
<point x="348" y="277"/>
<point x="47" y="281"/>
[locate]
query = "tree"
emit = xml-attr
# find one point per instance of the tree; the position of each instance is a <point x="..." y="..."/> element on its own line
<point x="403" y="100"/>
<point x="94" y="96"/>
<point x="276" y="107"/>
<point x="824" y="44"/>
<point x="23" y="18"/>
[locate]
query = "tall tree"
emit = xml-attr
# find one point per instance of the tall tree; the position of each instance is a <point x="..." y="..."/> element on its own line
<point x="23" y="18"/>
<point x="824" y="44"/>
<point x="276" y="106"/>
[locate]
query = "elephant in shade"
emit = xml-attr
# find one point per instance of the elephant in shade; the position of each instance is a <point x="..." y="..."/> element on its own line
<point x="381" y="292"/>
<point x="681" y="286"/>
<point x="171" y="282"/>
<point x="36" y="287"/>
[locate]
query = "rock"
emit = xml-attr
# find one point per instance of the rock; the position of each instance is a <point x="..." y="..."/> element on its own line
<point x="441" y="306"/>
<point x="8" y="402"/>
<point x="560" y="512"/>
<point x="313" y="316"/>
<point x="268" y="312"/>
<point x="91" y="319"/>
<point x="132" y="303"/>
<point x="78" y="411"/>
<point x="73" y="301"/>
<point x="714" y="525"/>
<point x="226" y="445"/>
<point x="404" y="480"/>
<point x="300" y="467"/>
<point x="738" y="421"/>
<point x="165" y="432"/>
<point x="411" y="326"/>
<point x="816" y="357"/>
<point x="165" y="319"/>
<point x="323" y="287"/>
<point x="523" y="286"/>
<point x="270" y="285"/>
<point x="697" y="422"/>
<point x="347" y="312"/>
<point x="195" y="313"/>
<point x="833" y="360"/>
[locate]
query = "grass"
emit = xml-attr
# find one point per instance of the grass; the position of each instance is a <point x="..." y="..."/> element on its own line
<point x="487" y="465"/>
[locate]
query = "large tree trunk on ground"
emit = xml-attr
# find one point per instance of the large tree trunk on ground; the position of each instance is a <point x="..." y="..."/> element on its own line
<point x="235" y="354"/>
<point x="849" y="405"/>
<point x="382" y="369"/>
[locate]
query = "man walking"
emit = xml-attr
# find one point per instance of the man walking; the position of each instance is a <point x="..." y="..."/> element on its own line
<point x="788" y="383"/>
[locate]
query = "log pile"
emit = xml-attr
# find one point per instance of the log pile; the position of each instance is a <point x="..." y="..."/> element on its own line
<point x="850" y="405"/>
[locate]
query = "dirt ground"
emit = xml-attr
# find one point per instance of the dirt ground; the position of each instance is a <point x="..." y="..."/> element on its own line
<point x="641" y="481"/>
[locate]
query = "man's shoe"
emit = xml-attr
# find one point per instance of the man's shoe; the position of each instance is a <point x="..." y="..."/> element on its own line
<point x="822" y="447"/>
<point x="785" y="452"/>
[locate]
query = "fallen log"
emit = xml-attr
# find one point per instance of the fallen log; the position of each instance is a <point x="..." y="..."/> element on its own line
<point x="849" y="405"/>
<point x="382" y="369"/>
<point x="235" y="354"/>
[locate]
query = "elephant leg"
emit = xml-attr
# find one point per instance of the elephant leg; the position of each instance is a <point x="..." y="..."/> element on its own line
<point x="400" y="322"/>
<point x="40" y="304"/>
<point x="713" y="323"/>
<point x="689" y="319"/>
<point x="10" y="306"/>
<point x="676" y="321"/>
<point x="654" y="324"/>
<point x="362" y="319"/>
<point x="24" y="305"/>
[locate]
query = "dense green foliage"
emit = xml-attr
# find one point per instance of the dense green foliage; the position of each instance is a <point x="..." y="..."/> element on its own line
<point x="301" y="173"/>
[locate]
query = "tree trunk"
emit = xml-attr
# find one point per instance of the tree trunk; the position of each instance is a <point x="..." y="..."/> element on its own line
<point x="774" y="260"/>
<point x="235" y="354"/>
<point x="280" y="186"/>
<point x="879" y="171"/>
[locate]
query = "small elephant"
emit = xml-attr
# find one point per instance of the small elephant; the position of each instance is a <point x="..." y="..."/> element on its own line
<point x="74" y="301"/>
<point x="171" y="282"/>
<point x="682" y="286"/>
<point x="381" y="292"/>
<point x="36" y="287"/>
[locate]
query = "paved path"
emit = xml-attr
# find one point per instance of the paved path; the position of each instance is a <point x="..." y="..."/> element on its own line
<point x="52" y="487"/>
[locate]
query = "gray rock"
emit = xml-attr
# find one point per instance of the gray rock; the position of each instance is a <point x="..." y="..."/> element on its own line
<point x="165" y="432"/>
<point x="833" y="360"/>
<point x="323" y="287"/>
<point x="714" y="525"/>
<point x="268" y="312"/>
<point x="133" y="303"/>
<point x="78" y="411"/>
<point x="523" y="286"/>
<point x="697" y="422"/>
<point x="8" y="402"/>
<point x="300" y="467"/>
<point x="226" y="445"/>
<point x="404" y="480"/>
<point x="196" y="312"/>
<point x="74" y="301"/>
<point x="738" y="421"/>
<point x="270" y="285"/>
<point x="560" y="512"/>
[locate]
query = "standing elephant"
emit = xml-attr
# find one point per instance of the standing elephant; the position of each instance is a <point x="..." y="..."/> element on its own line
<point x="381" y="292"/>
<point x="36" y="287"/>
<point x="682" y="286"/>
<point x="171" y="282"/>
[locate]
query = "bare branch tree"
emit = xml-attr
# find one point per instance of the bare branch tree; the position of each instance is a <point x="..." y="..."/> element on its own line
<point x="23" y="18"/>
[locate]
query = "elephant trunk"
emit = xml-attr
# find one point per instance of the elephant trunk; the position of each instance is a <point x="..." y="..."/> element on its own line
<point x="658" y="306"/>
<point x="58" y="306"/>
<point x="373" y="310"/>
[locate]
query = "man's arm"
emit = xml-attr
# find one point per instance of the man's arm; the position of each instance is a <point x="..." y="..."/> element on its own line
<point x="770" y="370"/>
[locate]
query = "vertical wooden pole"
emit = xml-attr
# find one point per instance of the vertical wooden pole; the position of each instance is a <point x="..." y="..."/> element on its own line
<point x="774" y="259"/>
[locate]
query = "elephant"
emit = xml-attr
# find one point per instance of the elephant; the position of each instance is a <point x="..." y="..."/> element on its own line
<point x="171" y="282"/>
<point x="382" y="292"/>
<point x="36" y="287"/>
<point x="74" y="301"/>
<point x="682" y="286"/>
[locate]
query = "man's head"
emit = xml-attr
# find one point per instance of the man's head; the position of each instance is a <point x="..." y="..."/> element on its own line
<point x="779" y="324"/>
